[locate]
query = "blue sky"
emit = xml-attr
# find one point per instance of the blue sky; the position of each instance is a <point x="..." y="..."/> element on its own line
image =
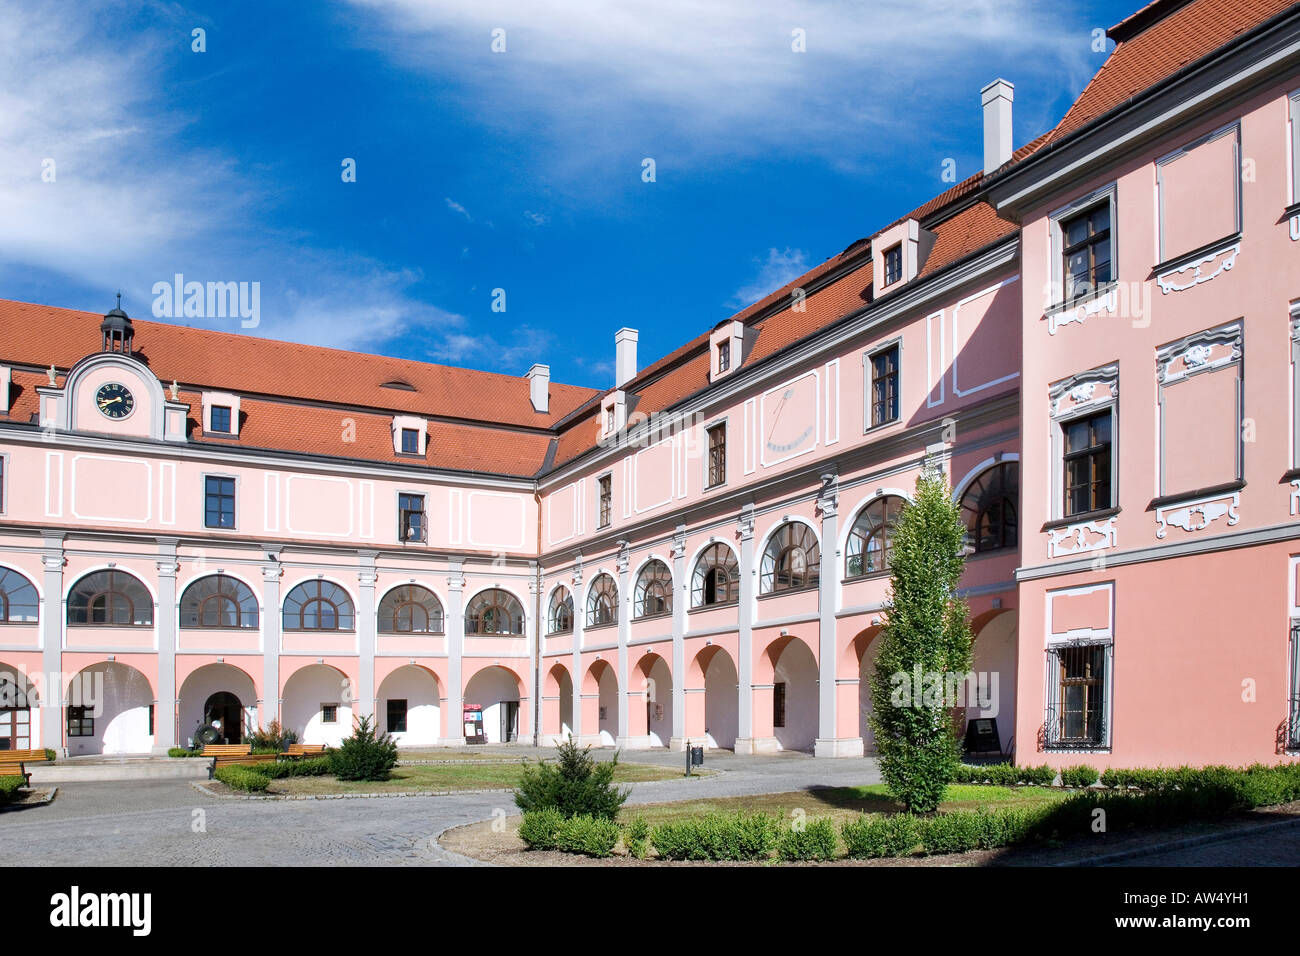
<point x="479" y="170"/>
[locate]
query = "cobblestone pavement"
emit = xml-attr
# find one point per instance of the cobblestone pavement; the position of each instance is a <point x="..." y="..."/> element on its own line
<point x="170" y="823"/>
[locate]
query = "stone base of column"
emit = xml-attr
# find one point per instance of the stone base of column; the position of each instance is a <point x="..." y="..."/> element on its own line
<point x="589" y="740"/>
<point x="160" y="750"/>
<point x="634" y="743"/>
<point x="679" y="743"/>
<point x="551" y="740"/>
<point x="757" y="745"/>
<point x="838" y="747"/>
<point x="451" y="742"/>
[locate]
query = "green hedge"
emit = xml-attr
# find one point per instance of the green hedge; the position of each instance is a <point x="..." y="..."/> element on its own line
<point x="1079" y="775"/>
<point x="636" y="837"/>
<point x="814" y="840"/>
<point x="717" y="836"/>
<point x="182" y="752"/>
<point x="9" y="787"/>
<point x="240" y="777"/>
<point x="549" y="829"/>
<point x="50" y="754"/>
<point x="1006" y="775"/>
<point x="303" y="767"/>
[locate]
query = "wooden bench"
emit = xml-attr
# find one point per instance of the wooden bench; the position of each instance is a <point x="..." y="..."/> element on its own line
<point x="296" y="751"/>
<point x="229" y="755"/>
<point x="12" y="763"/>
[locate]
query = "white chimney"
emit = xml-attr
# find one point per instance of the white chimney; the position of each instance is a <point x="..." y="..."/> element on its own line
<point x="624" y="356"/>
<point x="539" y="387"/>
<point x="997" y="98"/>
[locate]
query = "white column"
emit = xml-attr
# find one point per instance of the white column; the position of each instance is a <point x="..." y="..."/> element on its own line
<point x="455" y="648"/>
<point x="536" y="612"/>
<point x="581" y="735"/>
<point x="53" y="616"/>
<point x="745" y="650"/>
<point x="164" y="711"/>
<point x="271" y="623"/>
<point x="367" y="622"/>
<point x="681" y="594"/>
<point x="828" y="744"/>
<point x="624" y="611"/>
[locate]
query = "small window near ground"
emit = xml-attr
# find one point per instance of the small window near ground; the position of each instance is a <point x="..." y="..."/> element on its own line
<point x="329" y="713"/>
<point x="397" y="716"/>
<point x="778" y="705"/>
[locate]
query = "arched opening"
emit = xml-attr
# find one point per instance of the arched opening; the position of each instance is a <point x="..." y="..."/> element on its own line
<point x="990" y="506"/>
<point x="318" y="605"/>
<point x="600" y="687"/>
<point x="721" y="700"/>
<point x="716" y="579"/>
<point x="791" y="559"/>
<point x="866" y="650"/>
<point x="220" y="691"/>
<point x="870" y="545"/>
<point x="409" y="707"/>
<point x="110" y="710"/>
<point x="653" y="594"/>
<point x="19" y="710"/>
<point x="410" y="609"/>
<point x="602" y="601"/>
<point x="557" y="712"/>
<point x="110" y="599"/>
<point x="494" y="611"/>
<point x="794" y="696"/>
<point x="559" y="617"/>
<point x="497" y="691"/>
<point x="219" y="601"/>
<point x="19" y="602"/>
<point x="994" y="660"/>
<point x="656" y="720"/>
<point x="318" y="705"/>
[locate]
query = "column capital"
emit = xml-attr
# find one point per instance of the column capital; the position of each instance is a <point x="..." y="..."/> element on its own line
<point x="828" y="498"/>
<point x="679" y="542"/>
<point x="167" y="568"/>
<point x="624" y="556"/>
<point x="745" y="524"/>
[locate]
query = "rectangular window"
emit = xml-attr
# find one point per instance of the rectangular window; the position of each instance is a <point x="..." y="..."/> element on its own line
<point x="329" y="713"/>
<point x="410" y="441"/>
<point x="1086" y="251"/>
<point x="1077" y="712"/>
<point x="778" y="705"/>
<point x="220" y="416"/>
<point x="893" y="264"/>
<point x="606" y="485"/>
<point x="81" y="722"/>
<point x="609" y="420"/>
<point x="410" y="518"/>
<point x="717" y="454"/>
<point x="1087" y="463"/>
<point x="724" y="356"/>
<point x="397" y="716"/>
<point x="219" y="503"/>
<point x="151" y="720"/>
<point x="884" y="386"/>
<point x="2" y="484"/>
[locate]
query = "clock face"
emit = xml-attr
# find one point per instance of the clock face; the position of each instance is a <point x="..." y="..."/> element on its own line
<point x="114" y="400"/>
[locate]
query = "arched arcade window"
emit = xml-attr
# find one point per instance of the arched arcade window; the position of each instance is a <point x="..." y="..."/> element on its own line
<point x="410" y="609"/>
<point x="560" y="614"/>
<point x="318" y="606"/>
<point x="19" y="602"/>
<point x="791" y="560"/>
<point x="870" y="540"/>
<point x="218" y="601"/>
<point x="653" y="594"/>
<point x="110" y="599"/>
<point x="989" y="508"/>
<point x="494" y="611"/>
<point x="602" y="601"/>
<point x="716" y="579"/>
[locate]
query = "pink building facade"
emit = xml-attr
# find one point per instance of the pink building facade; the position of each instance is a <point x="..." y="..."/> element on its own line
<point x="200" y="527"/>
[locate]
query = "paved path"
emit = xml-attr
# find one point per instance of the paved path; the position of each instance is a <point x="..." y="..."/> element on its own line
<point x="170" y="823"/>
<point x="1272" y="847"/>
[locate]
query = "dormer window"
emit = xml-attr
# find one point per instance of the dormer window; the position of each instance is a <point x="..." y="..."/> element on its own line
<point x="609" y="419"/>
<point x="613" y="413"/>
<point x="724" y="356"/>
<point x="893" y="264"/>
<point x="220" y="419"/>
<point x="221" y="414"/>
<point x="727" y="343"/>
<point x="410" y="435"/>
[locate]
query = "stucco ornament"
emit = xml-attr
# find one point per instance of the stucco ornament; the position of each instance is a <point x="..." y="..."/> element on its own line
<point x="1198" y="515"/>
<point x="1083" y="393"/>
<point x="1197" y="356"/>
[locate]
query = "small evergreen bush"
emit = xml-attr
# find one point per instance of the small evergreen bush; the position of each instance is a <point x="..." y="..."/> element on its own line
<point x="9" y="787"/>
<point x="309" y="767"/>
<point x="871" y="837"/>
<point x="717" y="836"/>
<point x="239" y="777"/>
<point x="1080" y="775"/>
<point x="365" y="755"/>
<point x="815" y="840"/>
<point x="588" y="835"/>
<point x="539" y="828"/>
<point x="575" y="784"/>
<point x="636" y="837"/>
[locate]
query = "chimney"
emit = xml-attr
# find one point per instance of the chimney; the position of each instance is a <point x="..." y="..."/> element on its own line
<point x="539" y="387"/>
<point x="997" y="98"/>
<point x="624" y="356"/>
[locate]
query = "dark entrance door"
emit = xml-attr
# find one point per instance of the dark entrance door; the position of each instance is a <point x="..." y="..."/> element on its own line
<point x="224" y="707"/>
<point x="509" y="720"/>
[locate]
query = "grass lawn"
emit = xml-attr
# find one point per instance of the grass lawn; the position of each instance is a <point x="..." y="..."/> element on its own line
<point x="451" y="777"/>
<point x="841" y="803"/>
<point x="455" y="753"/>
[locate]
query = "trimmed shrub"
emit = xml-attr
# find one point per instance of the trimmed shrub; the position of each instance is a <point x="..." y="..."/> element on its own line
<point x="588" y="835"/>
<point x="50" y="754"/>
<point x="575" y="784"/>
<point x="172" y="752"/>
<point x="1005" y="775"/>
<point x="870" y="837"/>
<point x="1080" y="775"/>
<point x="9" y="787"/>
<point x="238" y="777"/>
<point x="636" y="837"/>
<point x="954" y="832"/>
<point x="539" y="828"/>
<point x="308" y="767"/>
<point x="365" y="755"/>
<point x="717" y="836"/>
<point x="815" y="840"/>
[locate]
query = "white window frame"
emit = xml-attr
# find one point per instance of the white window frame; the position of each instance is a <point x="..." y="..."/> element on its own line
<point x="1234" y="129"/>
<point x="397" y="507"/>
<point x="1103" y="375"/>
<point x="726" y="442"/>
<point x="203" y="479"/>
<point x="867" y="380"/>
<point x="1230" y="334"/>
<point x="1056" y="270"/>
<point x="1293" y="144"/>
<point x="610" y="523"/>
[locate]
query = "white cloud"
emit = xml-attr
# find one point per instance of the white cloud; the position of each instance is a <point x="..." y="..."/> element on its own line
<point x="779" y="267"/>
<point x="457" y="207"/>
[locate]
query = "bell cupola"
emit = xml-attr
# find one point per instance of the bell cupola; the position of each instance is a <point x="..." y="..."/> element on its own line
<point x="116" y="330"/>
